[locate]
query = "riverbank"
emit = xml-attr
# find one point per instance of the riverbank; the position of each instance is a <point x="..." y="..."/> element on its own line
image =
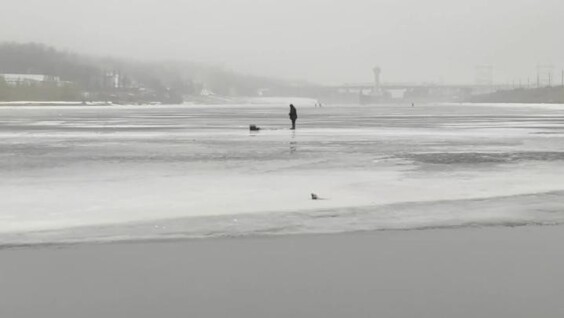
<point x="548" y="95"/>
<point x="54" y="103"/>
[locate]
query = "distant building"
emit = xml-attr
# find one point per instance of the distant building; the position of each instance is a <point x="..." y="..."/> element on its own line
<point x="206" y="92"/>
<point x="27" y="79"/>
<point x="112" y="80"/>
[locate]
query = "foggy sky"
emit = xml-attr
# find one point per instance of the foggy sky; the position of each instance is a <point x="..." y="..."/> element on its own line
<point x="326" y="41"/>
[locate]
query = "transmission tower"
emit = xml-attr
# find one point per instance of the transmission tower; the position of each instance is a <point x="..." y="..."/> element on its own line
<point x="545" y="75"/>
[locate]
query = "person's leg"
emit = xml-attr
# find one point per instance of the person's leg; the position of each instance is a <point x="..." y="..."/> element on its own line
<point x="293" y="124"/>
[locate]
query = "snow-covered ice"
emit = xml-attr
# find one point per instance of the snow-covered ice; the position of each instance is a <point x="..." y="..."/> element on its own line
<point x="138" y="172"/>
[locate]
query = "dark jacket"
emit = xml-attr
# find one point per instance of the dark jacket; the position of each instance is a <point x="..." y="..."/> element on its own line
<point x="293" y="113"/>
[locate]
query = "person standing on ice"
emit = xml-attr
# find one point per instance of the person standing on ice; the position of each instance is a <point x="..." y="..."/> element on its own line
<point x="293" y="116"/>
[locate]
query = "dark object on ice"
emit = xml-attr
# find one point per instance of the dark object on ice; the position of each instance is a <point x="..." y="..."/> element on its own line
<point x="293" y="115"/>
<point x="254" y="128"/>
<point x="314" y="196"/>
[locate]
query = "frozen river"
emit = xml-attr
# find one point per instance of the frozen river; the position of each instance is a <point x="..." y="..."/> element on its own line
<point x="137" y="172"/>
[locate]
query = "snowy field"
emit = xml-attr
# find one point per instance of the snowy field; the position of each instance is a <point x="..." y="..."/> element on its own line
<point x="72" y="174"/>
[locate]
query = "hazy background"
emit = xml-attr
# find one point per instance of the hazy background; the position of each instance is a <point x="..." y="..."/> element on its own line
<point x="318" y="40"/>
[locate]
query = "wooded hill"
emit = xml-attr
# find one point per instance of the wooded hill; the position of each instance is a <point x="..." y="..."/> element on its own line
<point x="81" y="76"/>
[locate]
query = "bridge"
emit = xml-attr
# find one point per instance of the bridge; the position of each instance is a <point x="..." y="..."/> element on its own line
<point x="379" y="91"/>
<point x="411" y="86"/>
<point x="379" y="85"/>
<point x="382" y="92"/>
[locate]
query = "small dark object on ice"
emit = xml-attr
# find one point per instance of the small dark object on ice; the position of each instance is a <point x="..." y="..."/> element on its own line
<point x="314" y="196"/>
<point x="254" y="128"/>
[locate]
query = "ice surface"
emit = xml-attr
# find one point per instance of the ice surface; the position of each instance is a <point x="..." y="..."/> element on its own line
<point x="130" y="172"/>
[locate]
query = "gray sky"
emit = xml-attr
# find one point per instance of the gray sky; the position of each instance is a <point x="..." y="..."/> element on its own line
<point x="327" y="41"/>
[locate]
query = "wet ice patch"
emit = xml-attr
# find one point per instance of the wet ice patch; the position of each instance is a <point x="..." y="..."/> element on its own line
<point x="534" y="209"/>
<point x="469" y="158"/>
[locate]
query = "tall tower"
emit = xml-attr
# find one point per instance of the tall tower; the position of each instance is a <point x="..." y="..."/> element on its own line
<point x="377" y="72"/>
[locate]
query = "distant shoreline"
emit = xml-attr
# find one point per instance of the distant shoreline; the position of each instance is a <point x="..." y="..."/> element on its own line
<point x="202" y="101"/>
<point x="55" y="103"/>
<point x="255" y="101"/>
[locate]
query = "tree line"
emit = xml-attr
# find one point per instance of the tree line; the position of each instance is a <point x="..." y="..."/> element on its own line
<point x="91" y="77"/>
